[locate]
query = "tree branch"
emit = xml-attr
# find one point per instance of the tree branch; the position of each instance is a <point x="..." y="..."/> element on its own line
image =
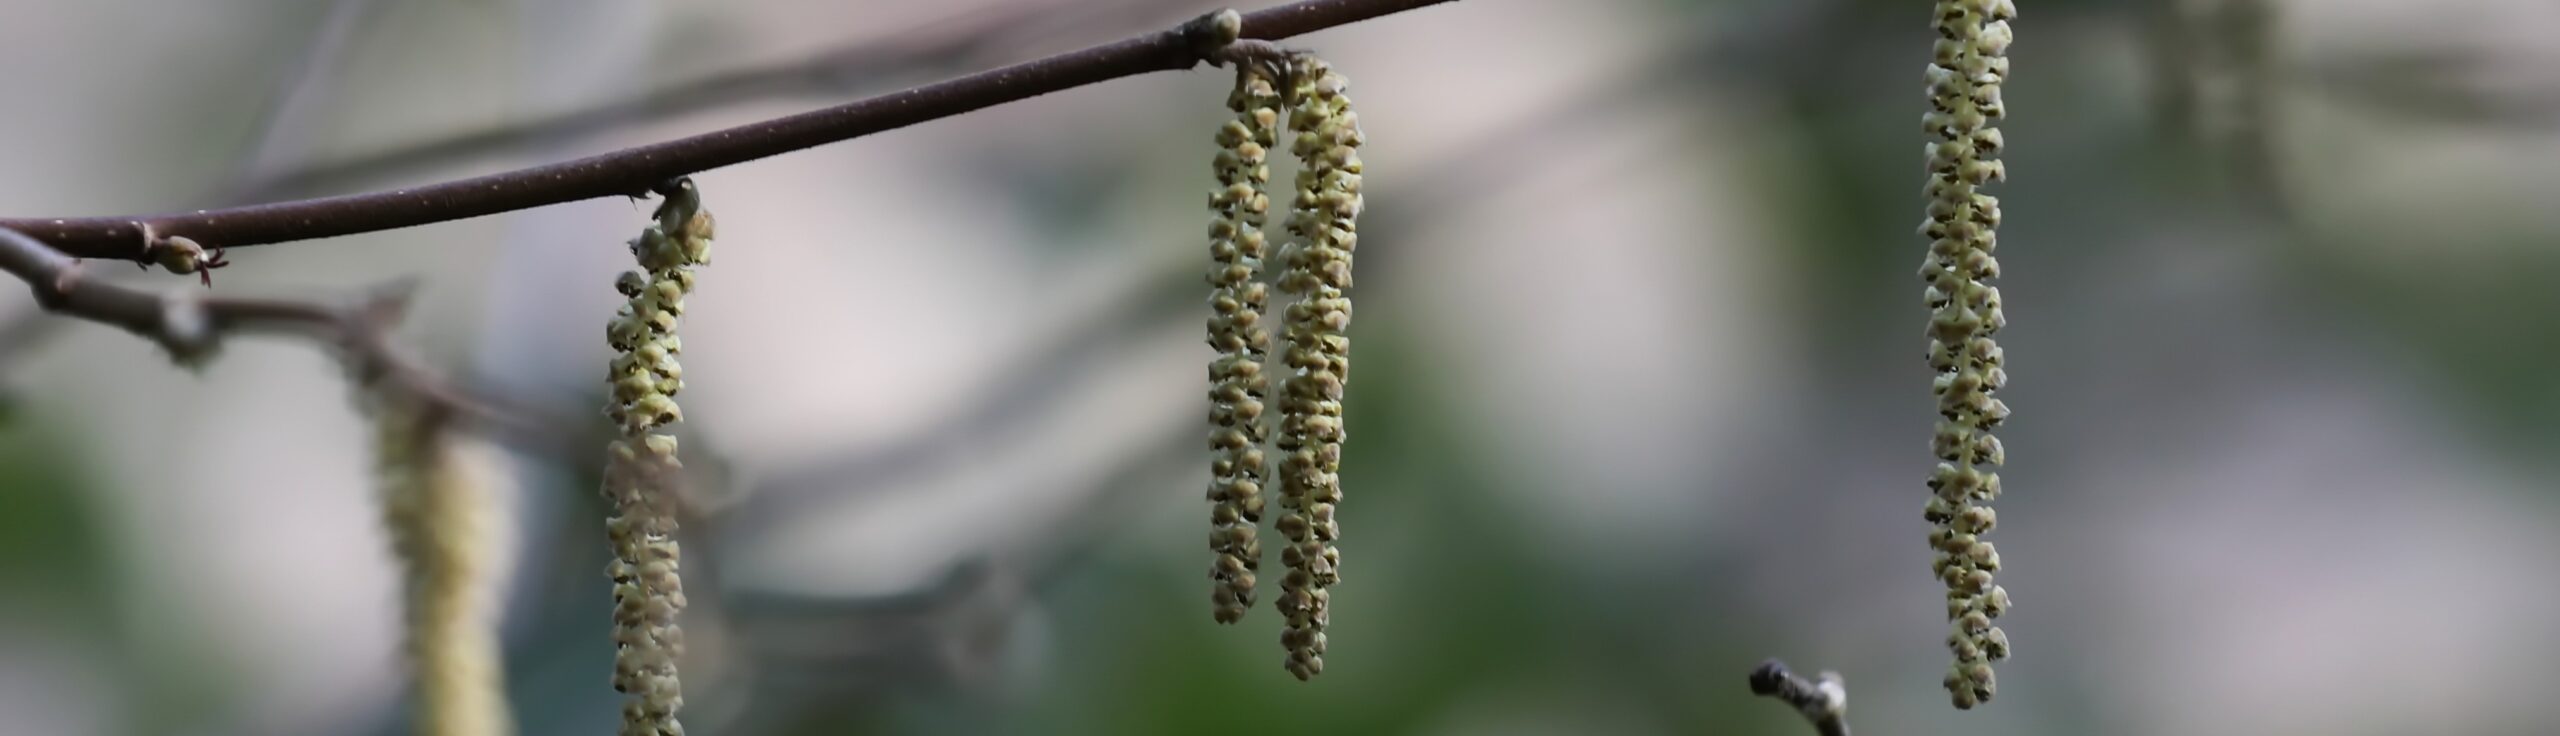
<point x="1825" y="704"/>
<point x="631" y="171"/>
<point x="191" y="327"/>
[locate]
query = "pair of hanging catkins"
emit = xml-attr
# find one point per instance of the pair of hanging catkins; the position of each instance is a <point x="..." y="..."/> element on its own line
<point x="1314" y="262"/>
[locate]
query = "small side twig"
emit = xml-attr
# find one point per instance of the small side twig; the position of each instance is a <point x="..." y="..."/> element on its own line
<point x="1824" y="703"/>
<point x="191" y="327"/>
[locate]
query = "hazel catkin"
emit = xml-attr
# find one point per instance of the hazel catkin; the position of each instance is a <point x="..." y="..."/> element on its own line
<point x="1968" y="64"/>
<point x="1237" y="296"/>
<point x="1322" y="224"/>
<point x="644" y="378"/>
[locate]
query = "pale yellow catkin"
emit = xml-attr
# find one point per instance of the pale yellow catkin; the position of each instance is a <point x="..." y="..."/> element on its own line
<point x="1968" y="65"/>
<point x="641" y="465"/>
<point x="1237" y="386"/>
<point x="437" y="519"/>
<point x="1323" y="209"/>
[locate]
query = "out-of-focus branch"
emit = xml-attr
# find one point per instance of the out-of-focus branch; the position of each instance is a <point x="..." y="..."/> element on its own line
<point x="964" y="40"/>
<point x="1824" y="703"/>
<point x="633" y="171"/>
<point x="289" y="112"/>
<point x="1027" y="386"/>
<point x="2222" y="74"/>
<point x="808" y="649"/>
<point x="192" y="327"/>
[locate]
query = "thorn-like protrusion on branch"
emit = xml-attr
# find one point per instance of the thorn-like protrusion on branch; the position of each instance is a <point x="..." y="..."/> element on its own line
<point x="1823" y="702"/>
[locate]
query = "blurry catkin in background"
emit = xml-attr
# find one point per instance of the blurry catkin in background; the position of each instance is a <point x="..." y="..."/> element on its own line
<point x="437" y="519"/>
<point x="1969" y="62"/>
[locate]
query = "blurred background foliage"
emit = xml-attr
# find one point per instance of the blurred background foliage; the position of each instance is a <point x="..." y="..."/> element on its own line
<point x="1640" y="398"/>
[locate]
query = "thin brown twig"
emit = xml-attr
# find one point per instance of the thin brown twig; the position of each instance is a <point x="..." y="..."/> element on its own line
<point x="191" y="327"/>
<point x="631" y="171"/>
<point x="1824" y="703"/>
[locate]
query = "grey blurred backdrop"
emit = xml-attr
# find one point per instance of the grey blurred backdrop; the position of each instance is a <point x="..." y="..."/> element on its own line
<point x="1641" y="397"/>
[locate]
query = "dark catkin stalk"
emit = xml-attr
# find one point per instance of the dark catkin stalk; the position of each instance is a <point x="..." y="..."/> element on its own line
<point x="1968" y="65"/>
<point x="641" y="465"/>
<point x="1237" y="296"/>
<point x="436" y="519"/>
<point x="1318" y="356"/>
